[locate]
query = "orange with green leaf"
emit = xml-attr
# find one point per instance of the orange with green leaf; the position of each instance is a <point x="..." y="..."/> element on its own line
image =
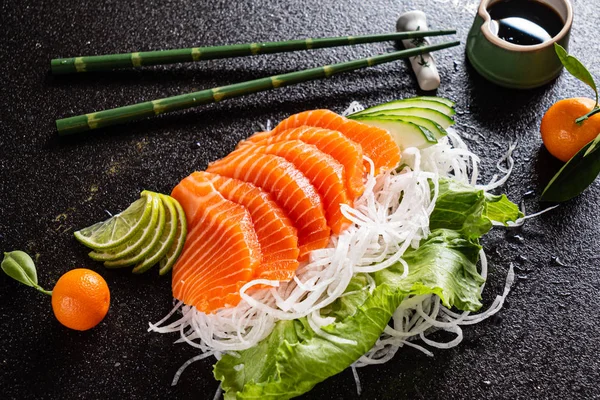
<point x="80" y="298"/>
<point x="570" y="131"/>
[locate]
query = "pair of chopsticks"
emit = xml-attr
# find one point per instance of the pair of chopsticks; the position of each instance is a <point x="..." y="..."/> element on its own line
<point x="100" y="119"/>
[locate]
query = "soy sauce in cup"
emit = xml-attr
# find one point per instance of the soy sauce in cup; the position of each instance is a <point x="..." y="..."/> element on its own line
<point x="526" y="60"/>
<point x="525" y="23"/>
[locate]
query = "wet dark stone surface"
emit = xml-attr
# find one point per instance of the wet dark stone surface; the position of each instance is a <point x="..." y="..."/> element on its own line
<point x="543" y="344"/>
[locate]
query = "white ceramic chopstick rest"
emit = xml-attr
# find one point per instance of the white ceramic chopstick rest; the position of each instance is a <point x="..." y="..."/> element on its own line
<point x="423" y="65"/>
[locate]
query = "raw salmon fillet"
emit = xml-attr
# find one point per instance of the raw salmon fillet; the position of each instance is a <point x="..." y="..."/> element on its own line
<point x="256" y="212"/>
<point x="376" y="143"/>
<point x="334" y="143"/>
<point x="275" y="232"/>
<point x="288" y="186"/>
<point x="324" y="172"/>
<point x="205" y="276"/>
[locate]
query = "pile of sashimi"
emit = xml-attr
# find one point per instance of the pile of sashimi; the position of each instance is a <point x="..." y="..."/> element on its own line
<point x="330" y="242"/>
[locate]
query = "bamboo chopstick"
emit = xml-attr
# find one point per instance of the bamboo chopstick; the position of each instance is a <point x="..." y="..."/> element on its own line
<point x="100" y="119"/>
<point x="138" y="59"/>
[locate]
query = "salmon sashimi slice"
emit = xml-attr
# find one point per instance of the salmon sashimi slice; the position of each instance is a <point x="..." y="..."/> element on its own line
<point x="208" y="288"/>
<point x="376" y="143"/>
<point x="288" y="186"/>
<point x="334" y="143"/>
<point x="223" y="295"/>
<point x="324" y="172"/>
<point x="275" y="232"/>
<point x="203" y="269"/>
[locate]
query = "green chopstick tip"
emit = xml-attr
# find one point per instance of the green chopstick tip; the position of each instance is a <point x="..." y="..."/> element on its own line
<point x="63" y="65"/>
<point x="71" y="125"/>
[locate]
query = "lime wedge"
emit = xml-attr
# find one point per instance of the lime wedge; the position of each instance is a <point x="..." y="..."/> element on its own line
<point x="133" y="245"/>
<point x="166" y="240"/>
<point x="119" y="228"/>
<point x="148" y="245"/>
<point x="167" y="262"/>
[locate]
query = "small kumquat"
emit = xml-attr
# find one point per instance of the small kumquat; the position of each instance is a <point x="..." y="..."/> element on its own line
<point x="80" y="299"/>
<point x="562" y="136"/>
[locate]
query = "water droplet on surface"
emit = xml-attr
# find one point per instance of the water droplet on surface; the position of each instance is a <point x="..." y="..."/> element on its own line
<point x="519" y="269"/>
<point x="117" y="364"/>
<point x="529" y="193"/>
<point x="518" y="238"/>
<point x="558" y="262"/>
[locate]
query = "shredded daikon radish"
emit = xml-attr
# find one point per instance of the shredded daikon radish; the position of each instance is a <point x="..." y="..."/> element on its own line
<point x="521" y="221"/>
<point x="218" y="393"/>
<point x="354" y="107"/>
<point x="422" y="314"/>
<point x="382" y="229"/>
<point x="493" y="309"/>
<point x="266" y="127"/>
<point x="188" y="362"/>
<point x="494" y="183"/>
<point x="155" y="327"/>
<point x="356" y="380"/>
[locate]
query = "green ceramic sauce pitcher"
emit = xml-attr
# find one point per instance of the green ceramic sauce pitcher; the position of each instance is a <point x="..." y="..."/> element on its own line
<point x="512" y="65"/>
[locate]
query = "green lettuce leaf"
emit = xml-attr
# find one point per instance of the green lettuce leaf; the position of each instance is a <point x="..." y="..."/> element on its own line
<point x="462" y="208"/>
<point x="293" y="358"/>
<point x="501" y="209"/>
<point x="445" y="264"/>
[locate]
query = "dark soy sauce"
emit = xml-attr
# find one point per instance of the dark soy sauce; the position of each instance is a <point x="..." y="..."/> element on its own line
<point x="524" y="22"/>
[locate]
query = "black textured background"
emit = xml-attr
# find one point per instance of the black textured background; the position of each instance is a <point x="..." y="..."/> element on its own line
<point x="544" y="344"/>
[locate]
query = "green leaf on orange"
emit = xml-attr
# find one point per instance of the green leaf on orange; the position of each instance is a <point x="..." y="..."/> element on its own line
<point x="19" y="266"/>
<point x="576" y="68"/>
<point x="576" y="175"/>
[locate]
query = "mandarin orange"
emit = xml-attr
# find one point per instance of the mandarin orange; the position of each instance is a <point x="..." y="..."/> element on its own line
<point x="562" y="136"/>
<point x="80" y="299"/>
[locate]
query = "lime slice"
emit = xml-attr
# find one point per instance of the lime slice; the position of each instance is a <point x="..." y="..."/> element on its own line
<point x="166" y="240"/>
<point x="133" y="245"/>
<point x="148" y="245"/>
<point x="117" y="229"/>
<point x="175" y="250"/>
